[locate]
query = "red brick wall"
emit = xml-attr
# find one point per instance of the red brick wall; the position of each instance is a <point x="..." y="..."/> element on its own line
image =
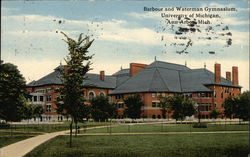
<point x="217" y="72"/>
<point x="235" y="75"/>
<point x="136" y="67"/>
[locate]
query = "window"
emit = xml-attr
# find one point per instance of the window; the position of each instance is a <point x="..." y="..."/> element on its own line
<point x="120" y="104"/>
<point x="153" y="116"/>
<point x="119" y="96"/>
<point x="48" y="97"/>
<point x="48" y="107"/>
<point x="35" y="98"/>
<point x="221" y="94"/>
<point x="40" y="91"/>
<point x="156" y="104"/>
<point x="91" y="95"/>
<point x="48" y="90"/>
<point x="154" y="95"/>
<point x="41" y="98"/>
<point x="102" y="94"/>
<point x="226" y="90"/>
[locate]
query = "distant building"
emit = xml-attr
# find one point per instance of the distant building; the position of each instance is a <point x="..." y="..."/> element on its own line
<point x="208" y="89"/>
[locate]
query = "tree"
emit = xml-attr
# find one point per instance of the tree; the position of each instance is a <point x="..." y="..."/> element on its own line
<point x="101" y="108"/>
<point x="230" y="106"/>
<point x="243" y="107"/>
<point x="12" y="92"/>
<point x="214" y="113"/>
<point x="238" y="106"/>
<point x="73" y="74"/>
<point x="181" y="106"/>
<point x="165" y="105"/>
<point x="29" y="110"/>
<point x="134" y="104"/>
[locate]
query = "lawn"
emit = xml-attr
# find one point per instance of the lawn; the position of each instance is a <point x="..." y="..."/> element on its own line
<point x="167" y="128"/>
<point x="194" y="145"/>
<point x="47" y="128"/>
<point x="7" y="138"/>
<point x="19" y="132"/>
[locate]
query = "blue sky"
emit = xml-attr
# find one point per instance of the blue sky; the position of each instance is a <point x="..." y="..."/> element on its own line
<point x="123" y="33"/>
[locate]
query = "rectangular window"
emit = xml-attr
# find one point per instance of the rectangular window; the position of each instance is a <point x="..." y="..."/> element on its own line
<point x="119" y="96"/>
<point x="40" y="91"/>
<point x="35" y="98"/>
<point x="48" y="98"/>
<point x="156" y="104"/>
<point x="48" y="90"/>
<point x="41" y="98"/>
<point x="154" y="95"/>
<point x="48" y="107"/>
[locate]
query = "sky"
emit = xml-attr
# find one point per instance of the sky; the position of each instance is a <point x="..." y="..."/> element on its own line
<point x="124" y="33"/>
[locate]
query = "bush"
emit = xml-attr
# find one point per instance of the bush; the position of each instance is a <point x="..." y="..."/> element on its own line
<point x="200" y="125"/>
<point x="4" y="126"/>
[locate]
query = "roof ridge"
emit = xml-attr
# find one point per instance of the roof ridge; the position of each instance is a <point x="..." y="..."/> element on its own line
<point x="170" y="63"/>
<point x="167" y="68"/>
<point x="162" y="78"/>
<point x="180" y="80"/>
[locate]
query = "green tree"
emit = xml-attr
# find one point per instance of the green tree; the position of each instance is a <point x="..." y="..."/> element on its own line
<point x="133" y="104"/>
<point x="238" y="106"/>
<point x="165" y="105"/>
<point x="73" y="75"/>
<point x="12" y="92"/>
<point x="243" y="107"/>
<point x="101" y="108"/>
<point x="230" y="106"/>
<point x="181" y="106"/>
<point x="214" y="113"/>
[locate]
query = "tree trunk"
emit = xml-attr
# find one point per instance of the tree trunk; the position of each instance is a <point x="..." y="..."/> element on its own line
<point x="76" y="129"/>
<point x="70" y="137"/>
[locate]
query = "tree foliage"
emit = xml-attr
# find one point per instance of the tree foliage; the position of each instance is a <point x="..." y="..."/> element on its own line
<point x="133" y="104"/>
<point x="101" y="109"/>
<point x="12" y="92"/>
<point x="180" y="105"/>
<point x="238" y="106"/>
<point x="165" y="105"/>
<point x="214" y="113"/>
<point x="71" y="99"/>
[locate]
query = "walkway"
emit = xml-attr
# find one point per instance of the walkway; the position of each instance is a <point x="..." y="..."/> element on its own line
<point x="21" y="148"/>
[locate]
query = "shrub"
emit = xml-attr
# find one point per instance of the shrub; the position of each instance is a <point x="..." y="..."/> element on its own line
<point x="200" y="125"/>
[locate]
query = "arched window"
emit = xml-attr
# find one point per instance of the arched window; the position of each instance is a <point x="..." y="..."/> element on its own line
<point x="91" y="95"/>
<point x="102" y="94"/>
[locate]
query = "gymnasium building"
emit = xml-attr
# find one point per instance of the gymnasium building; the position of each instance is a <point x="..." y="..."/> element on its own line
<point x="208" y="89"/>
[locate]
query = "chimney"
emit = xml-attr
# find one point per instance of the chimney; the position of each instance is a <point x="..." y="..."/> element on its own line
<point x="217" y="73"/>
<point x="102" y="75"/>
<point x="136" y="67"/>
<point x="228" y="76"/>
<point x="235" y="75"/>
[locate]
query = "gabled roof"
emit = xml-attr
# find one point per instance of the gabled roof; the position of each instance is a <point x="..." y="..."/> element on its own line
<point x="92" y="80"/>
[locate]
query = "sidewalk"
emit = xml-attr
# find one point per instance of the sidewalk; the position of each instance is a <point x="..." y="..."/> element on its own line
<point x="21" y="148"/>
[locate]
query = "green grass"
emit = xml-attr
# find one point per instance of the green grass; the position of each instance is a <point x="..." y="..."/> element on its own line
<point x="194" y="145"/>
<point x="168" y="128"/>
<point x="20" y="132"/>
<point x="47" y="128"/>
<point x="7" y="139"/>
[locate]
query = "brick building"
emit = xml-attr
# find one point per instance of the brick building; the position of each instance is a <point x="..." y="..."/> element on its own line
<point x="208" y="89"/>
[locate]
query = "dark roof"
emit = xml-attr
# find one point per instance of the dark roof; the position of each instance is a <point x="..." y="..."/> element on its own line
<point x="156" y="77"/>
<point x="168" y="77"/>
<point x="91" y="80"/>
<point x="52" y="78"/>
<point x="122" y="72"/>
